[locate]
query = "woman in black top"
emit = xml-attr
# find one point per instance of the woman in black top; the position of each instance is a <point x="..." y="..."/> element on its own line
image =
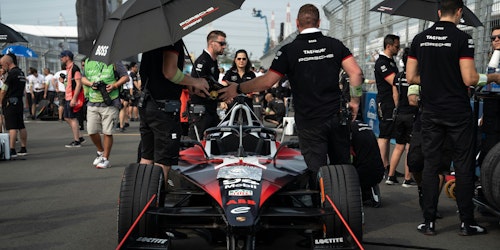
<point x="240" y="72"/>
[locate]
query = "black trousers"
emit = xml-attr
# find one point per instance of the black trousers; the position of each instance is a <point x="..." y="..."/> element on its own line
<point x="459" y="129"/>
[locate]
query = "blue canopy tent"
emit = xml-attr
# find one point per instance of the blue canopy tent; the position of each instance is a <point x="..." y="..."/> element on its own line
<point x="20" y="51"/>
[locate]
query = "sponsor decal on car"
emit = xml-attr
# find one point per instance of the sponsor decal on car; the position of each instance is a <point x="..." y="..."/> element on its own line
<point x="241" y="201"/>
<point x="152" y="240"/>
<point x="240" y="210"/>
<point x="240" y="183"/>
<point x="328" y="241"/>
<point x="241" y="218"/>
<point x="240" y="192"/>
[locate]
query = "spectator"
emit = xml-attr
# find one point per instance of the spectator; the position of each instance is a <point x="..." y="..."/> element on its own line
<point x="445" y="74"/>
<point x="74" y="97"/>
<point x="125" y="97"/>
<point x="206" y="66"/>
<point x="50" y="89"/>
<point x="320" y="132"/>
<point x="59" y="79"/>
<point x="37" y="89"/>
<point x="385" y="71"/>
<point x="160" y="123"/>
<point x="133" y="112"/>
<point x="11" y="102"/>
<point x="103" y="106"/>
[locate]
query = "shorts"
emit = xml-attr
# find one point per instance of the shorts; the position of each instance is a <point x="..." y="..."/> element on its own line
<point x="160" y="135"/>
<point x="38" y="97"/>
<point x="68" y="111"/>
<point x="13" y="115"/>
<point x="61" y="97"/>
<point x="386" y="129"/>
<point x="101" y="119"/>
<point x="403" y="126"/>
<point x="51" y="95"/>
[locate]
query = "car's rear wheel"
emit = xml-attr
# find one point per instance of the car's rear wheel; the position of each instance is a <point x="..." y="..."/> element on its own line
<point x="490" y="162"/>
<point x="139" y="183"/>
<point x="341" y="184"/>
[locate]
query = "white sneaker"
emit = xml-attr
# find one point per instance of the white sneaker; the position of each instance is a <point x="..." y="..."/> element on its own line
<point x="104" y="163"/>
<point x="98" y="158"/>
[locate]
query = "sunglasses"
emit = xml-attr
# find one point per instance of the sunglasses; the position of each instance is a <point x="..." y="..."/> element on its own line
<point x="221" y="43"/>
<point x="239" y="59"/>
<point x="494" y="37"/>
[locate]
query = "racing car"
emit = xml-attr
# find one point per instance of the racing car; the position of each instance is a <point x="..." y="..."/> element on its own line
<point x="240" y="187"/>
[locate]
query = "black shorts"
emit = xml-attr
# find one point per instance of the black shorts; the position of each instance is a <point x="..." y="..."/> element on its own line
<point x="386" y="129"/>
<point x="38" y="97"/>
<point x="13" y="115"/>
<point x="61" y="97"/>
<point x="403" y="126"/>
<point x="68" y="111"/>
<point x="51" y="95"/>
<point x="160" y="134"/>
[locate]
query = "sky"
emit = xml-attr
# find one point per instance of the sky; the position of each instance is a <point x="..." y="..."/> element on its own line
<point x="242" y="29"/>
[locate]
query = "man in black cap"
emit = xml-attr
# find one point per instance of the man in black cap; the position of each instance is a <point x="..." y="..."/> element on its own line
<point x="11" y="101"/>
<point x="74" y="97"/>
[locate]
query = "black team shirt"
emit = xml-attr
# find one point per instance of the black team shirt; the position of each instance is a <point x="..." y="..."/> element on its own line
<point x="385" y="66"/>
<point x="312" y="63"/>
<point x="205" y="66"/>
<point x="438" y="51"/>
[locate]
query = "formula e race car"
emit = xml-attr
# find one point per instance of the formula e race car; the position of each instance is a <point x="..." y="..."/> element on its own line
<point x="240" y="187"/>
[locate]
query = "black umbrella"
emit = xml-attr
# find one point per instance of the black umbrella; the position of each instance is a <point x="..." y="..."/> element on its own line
<point x="8" y="35"/>
<point x="422" y="9"/>
<point x="142" y="25"/>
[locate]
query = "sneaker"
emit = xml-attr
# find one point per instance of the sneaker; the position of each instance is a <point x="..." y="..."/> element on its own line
<point x="467" y="229"/>
<point x="13" y="153"/>
<point x="82" y="140"/>
<point x="427" y="228"/>
<point x="409" y="183"/>
<point x="98" y="158"/>
<point x="23" y="151"/>
<point x="126" y="125"/>
<point x="371" y="197"/>
<point x="73" y="144"/>
<point x="104" y="163"/>
<point x="391" y="180"/>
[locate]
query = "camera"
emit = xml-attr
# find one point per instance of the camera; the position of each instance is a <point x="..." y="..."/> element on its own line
<point x="101" y="86"/>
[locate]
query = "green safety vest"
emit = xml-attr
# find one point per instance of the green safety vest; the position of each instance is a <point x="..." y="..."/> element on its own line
<point x="98" y="71"/>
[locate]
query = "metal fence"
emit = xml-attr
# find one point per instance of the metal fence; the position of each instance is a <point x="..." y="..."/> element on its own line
<point x="362" y="31"/>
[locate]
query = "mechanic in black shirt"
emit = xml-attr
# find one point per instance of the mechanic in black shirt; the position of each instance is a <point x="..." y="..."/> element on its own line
<point x="275" y="110"/>
<point x="441" y="60"/>
<point x="162" y="77"/>
<point x="312" y="63"/>
<point x="11" y="103"/>
<point x="205" y="115"/>
<point x="385" y="71"/>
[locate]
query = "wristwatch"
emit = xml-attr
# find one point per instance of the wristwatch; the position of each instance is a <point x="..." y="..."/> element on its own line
<point x="238" y="89"/>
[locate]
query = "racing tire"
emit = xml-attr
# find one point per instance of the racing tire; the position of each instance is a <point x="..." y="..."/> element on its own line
<point x="495" y="187"/>
<point x="490" y="162"/>
<point x="341" y="184"/>
<point x="139" y="183"/>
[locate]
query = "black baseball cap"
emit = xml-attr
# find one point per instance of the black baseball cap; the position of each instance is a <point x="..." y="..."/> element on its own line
<point x="67" y="53"/>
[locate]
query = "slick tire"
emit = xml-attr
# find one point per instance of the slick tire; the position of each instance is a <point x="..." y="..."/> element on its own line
<point x="341" y="184"/>
<point x="490" y="162"/>
<point x="139" y="183"/>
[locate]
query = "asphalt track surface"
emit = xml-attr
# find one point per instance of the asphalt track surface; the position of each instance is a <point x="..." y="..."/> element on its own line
<point x="54" y="198"/>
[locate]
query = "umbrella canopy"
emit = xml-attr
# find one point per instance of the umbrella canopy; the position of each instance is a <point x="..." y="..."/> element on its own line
<point x="8" y="35"/>
<point x="19" y="50"/>
<point x="422" y="9"/>
<point x="142" y="25"/>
